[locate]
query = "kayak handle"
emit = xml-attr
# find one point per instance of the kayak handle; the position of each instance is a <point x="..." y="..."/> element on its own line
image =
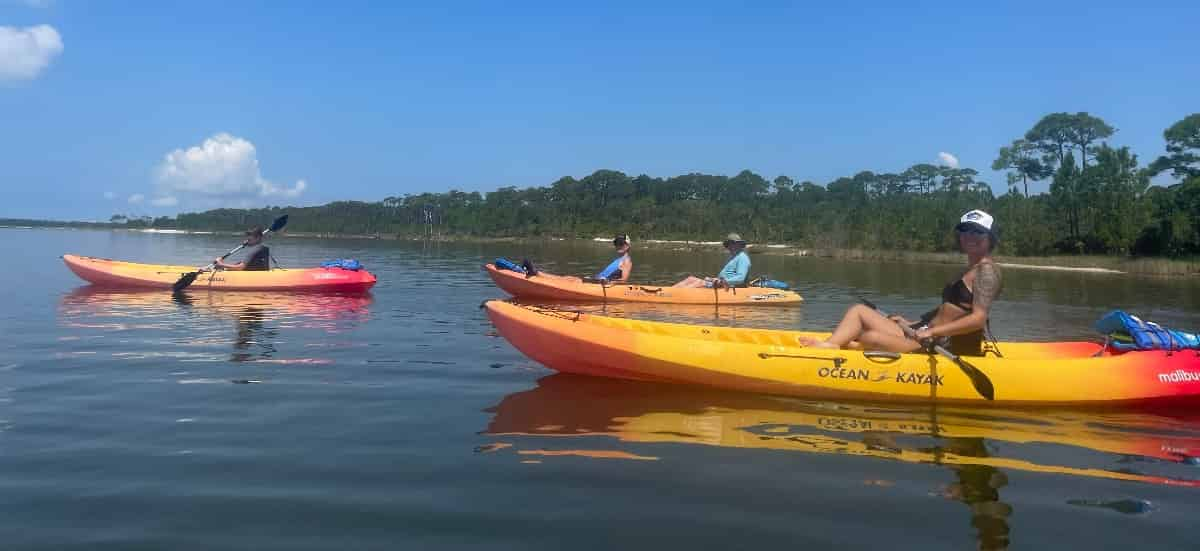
<point x="837" y="361"/>
<point x="881" y="356"/>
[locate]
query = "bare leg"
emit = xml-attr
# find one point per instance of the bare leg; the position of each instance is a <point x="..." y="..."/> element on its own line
<point x="879" y="340"/>
<point x="862" y="324"/>
<point x="690" y="281"/>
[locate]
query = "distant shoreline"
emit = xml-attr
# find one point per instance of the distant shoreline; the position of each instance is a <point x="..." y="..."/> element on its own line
<point x="1109" y="265"/>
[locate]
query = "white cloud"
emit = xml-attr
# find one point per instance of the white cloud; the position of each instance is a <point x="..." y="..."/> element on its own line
<point x="948" y="159"/>
<point x="24" y="53"/>
<point x="167" y="201"/>
<point x="223" y="169"/>
<point x="110" y="195"/>
<point x="136" y="198"/>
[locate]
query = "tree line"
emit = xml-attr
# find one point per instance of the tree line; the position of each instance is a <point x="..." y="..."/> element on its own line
<point x="1099" y="201"/>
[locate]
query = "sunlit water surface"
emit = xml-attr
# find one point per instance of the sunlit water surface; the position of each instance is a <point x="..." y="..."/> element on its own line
<point x="399" y="419"/>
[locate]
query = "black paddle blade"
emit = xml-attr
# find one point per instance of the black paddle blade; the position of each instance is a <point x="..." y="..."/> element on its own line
<point x="279" y="223"/>
<point x="184" y="281"/>
<point x="981" y="382"/>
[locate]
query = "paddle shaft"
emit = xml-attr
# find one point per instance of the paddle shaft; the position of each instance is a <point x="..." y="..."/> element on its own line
<point x="978" y="378"/>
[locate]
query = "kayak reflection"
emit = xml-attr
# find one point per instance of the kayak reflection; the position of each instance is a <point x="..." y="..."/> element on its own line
<point x="571" y="405"/>
<point x="977" y="446"/>
<point x="259" y="317"/>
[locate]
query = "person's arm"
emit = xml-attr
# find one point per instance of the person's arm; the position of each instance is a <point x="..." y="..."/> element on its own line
<point x="986" y="289"/>
<point x="235" y="266"/>
<point x="741" y="269"/>
<point x="626" y="269"/>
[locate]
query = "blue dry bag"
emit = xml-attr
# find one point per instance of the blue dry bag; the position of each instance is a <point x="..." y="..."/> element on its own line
<point x="506" y="264"/>
<point x="343" y="263"/>
<point x="1128" y="332"/>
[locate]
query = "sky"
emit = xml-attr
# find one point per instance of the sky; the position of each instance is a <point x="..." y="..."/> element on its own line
<point x="155" y="108"/>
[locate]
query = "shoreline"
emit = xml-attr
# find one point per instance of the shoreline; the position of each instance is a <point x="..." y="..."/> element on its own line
<point x="1103" y="265"/>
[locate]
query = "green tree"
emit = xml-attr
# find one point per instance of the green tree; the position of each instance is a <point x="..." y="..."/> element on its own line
<point x="1052" y="136"/>
<point x="1084" y="130"/>
<point x="1064" y="195"/>
<point x="1183" y="149"/>
<point x="1119" y="189"/>
<point x="1022" y="159"/>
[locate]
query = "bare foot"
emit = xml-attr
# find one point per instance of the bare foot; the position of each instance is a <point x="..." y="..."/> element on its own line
<point x="815" y="343"/>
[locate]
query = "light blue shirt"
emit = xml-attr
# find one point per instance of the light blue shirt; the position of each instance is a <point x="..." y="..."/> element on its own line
<point x="736" y="270"/>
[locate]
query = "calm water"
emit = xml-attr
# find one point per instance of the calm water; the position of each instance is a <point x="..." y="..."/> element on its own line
<point x="399" y="420"/>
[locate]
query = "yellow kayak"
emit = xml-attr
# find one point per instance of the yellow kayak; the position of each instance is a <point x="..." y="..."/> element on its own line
<point x="773" y="362"/>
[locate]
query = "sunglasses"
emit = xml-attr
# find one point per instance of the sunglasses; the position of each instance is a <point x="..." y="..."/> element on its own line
<point x="972" y="231"/>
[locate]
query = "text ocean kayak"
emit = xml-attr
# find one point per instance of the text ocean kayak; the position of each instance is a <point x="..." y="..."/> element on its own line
<point x="770" y="361"/>
<point x="544" y="288"/>
<point x="129" y="275"/>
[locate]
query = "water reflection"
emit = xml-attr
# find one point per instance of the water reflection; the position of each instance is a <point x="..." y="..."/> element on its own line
<point x="978" y="487"/>
<point x="978" y="447"/>
<point x="200" y="318"/>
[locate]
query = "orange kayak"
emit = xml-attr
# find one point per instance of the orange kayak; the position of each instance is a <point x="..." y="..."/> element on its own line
<point x="561" y="289"/>
<point x="130" y="275"/>
<point x="772" y="362"/>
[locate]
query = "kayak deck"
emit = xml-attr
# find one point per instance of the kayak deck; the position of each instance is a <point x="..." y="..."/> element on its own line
<point x="131" y="275"/>
<point x="547" y="288"/>
<point x="773" y="362"/>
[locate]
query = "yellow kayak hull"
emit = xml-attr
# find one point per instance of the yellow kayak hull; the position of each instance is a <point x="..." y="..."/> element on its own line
<point x="772" y="361"/>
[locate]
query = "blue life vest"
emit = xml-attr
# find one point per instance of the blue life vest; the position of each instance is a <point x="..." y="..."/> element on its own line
<point x="1131" y="333"/>
<point x="506" y="264"/>
<point x="343" y="263"/>
<point x="770" y="283"/>
<point x="612" y="268"/>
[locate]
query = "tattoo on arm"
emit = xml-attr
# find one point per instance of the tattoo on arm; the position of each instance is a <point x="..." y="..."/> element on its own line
<point x="987" y="286"/>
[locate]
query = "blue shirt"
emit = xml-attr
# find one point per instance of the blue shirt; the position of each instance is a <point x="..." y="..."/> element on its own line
<point x="736" y="270"/>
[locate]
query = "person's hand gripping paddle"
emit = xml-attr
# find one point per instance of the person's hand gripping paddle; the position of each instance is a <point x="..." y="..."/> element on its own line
<point x="190" y="277"/>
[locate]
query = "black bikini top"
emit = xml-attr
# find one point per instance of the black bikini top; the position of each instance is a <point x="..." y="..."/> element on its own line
<point x="959" y="295"/>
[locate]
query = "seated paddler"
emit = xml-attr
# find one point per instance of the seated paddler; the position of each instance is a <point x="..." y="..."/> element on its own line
<point x="618" y="270"/>
<point x="735" y="272"/>
<point x="957" y="324"/>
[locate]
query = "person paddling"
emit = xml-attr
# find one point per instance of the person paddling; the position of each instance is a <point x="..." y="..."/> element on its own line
<point x="733" y="274"/>
<point x="957" y="324"/>
<point x="257" y="255"/>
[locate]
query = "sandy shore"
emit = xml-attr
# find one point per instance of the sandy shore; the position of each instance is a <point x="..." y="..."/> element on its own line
<point x="1085" y="269"/>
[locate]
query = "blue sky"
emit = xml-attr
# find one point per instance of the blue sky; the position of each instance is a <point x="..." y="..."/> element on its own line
<point x="187" y="105"/>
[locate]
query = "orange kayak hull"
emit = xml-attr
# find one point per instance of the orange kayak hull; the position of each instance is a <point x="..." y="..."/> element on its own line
<point x="564" y="289"/>
<point x="131" y="275"/>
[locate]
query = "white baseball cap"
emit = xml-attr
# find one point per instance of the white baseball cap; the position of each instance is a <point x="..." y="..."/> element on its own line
<point x="978" y="219"/>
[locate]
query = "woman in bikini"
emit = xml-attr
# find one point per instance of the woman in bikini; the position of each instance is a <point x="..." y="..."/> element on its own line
<point x="958" y="323"/>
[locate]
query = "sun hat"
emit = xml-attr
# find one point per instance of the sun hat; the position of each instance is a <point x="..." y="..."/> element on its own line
<point x="733" y="238"/>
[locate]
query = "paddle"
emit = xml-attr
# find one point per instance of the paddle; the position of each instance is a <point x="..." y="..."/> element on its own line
<point x="190" y="277"/>
<point x="980" y="380"/>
